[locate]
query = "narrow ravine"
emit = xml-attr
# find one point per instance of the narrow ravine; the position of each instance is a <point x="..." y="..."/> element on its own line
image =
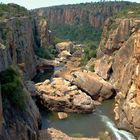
<point x="83" y="125"/>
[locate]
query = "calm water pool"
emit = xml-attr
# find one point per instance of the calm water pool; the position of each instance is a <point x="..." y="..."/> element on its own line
<point x="80" y="124"/>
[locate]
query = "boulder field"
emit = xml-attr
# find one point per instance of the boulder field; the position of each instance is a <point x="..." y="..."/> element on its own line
<point x="73" y="89"/>
<point x="116" y="72"/>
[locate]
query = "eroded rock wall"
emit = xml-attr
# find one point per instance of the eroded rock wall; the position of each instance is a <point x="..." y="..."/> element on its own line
<point x="93" y="13"/>
<point x="17" y="48"/>
<point x="17" y="43"/>
<point x="43" y="36"/>
<point x="119" y="50"/>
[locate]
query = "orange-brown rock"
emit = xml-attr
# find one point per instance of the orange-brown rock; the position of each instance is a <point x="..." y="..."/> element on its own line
<point x="71" y="64"/>
<point x="59" y="95"/>
<point x="120" y="48"/>
<point x="93" y="13"/>
<point x="103" y="67"/>
<point x="94" y="85"/>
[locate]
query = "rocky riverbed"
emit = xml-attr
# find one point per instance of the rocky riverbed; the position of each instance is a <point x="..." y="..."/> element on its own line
<point x="75" y="89"/>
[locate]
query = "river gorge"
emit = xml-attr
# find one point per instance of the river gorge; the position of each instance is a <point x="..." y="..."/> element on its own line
<point x="82" y="125"/>
<point x="70" y="72"/>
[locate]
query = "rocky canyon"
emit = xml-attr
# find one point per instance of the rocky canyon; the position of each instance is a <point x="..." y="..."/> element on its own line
<point x="83" y="76"/>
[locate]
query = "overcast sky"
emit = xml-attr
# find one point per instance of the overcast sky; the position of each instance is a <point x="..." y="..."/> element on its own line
<point x="31" y="4"/>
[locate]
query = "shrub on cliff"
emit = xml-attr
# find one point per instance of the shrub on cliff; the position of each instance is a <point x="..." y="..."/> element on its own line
<point x="12" y="88"/>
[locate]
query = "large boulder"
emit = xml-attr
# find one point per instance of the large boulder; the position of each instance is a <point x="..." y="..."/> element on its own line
<point x="93" y="85"/>
<point x="60" y="95"/>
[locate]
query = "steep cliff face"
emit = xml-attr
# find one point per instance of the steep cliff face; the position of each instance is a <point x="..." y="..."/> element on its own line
<point x="93" y="13"/>
<point x="17" y="43"/>
<point x="19" y="35"/>
<point x="16" y="48"/>
<point x="19" y="124"/>
<point x="42" y="34"/>
<point x="118" y="58"/>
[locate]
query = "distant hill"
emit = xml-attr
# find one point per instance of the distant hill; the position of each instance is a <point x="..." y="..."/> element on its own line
<point x="12" y="10"/>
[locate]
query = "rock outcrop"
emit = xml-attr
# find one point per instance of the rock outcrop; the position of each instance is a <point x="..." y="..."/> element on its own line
<point x="19" y="37"/>
<point x="93" y="13"/>
<point x="87" y="81"/>
<point x="60" y="95"/>
<point x="119" y="52"/>
<point x="42" y="34"/>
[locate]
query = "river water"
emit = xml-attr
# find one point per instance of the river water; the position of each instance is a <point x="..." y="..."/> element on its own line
<point x="87" y="125"/>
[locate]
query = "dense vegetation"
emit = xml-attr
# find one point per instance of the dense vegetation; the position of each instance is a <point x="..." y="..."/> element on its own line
<point x="47" y="52"/>
<point x="81" y="31"/>
<point x="89" y="52"/>
<point x="130" y="11"/>
<point x="12" y="10"/>
<point x="77" y="32"/>
<point x="12" y="88"/>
